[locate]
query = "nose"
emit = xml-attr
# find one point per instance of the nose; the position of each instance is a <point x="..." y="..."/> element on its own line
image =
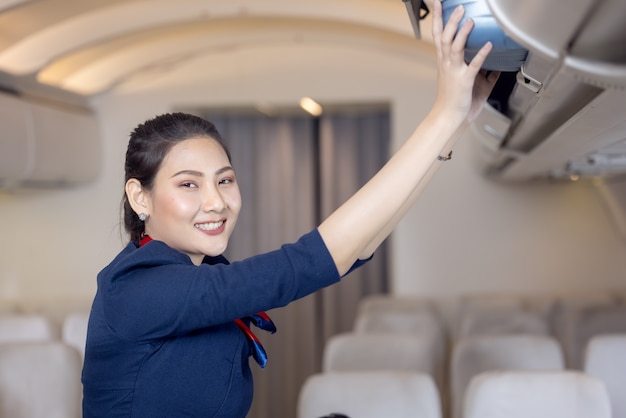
<point x="212" y="200"/>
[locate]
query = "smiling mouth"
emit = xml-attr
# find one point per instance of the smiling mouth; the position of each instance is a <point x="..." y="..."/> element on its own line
<point x="210" y="226"/>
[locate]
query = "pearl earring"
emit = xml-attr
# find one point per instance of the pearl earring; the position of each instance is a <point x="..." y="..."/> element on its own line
<point x="142" y="217"/>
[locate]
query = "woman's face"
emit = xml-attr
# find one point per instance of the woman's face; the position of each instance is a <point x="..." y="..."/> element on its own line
<point x="195" y="200"/>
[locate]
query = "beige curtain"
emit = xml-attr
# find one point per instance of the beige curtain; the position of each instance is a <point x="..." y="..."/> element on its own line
<point x="293" y="170"/>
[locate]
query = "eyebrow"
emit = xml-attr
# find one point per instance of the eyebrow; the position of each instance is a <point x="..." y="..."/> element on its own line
<point x="201" y="174"/>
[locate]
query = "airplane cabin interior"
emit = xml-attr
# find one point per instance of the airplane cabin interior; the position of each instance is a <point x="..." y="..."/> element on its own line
<point x="502" y="292"/>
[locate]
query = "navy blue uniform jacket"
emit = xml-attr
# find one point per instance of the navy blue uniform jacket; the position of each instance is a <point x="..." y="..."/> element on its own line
<point x="161" y="340"/>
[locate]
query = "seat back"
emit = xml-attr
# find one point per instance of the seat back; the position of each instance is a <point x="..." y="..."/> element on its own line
<point x="504" y="322"/>
<point x="40" y="380"/>
<point x="398" y="322"/>
<point x="372" y="394"/>
<point x="572" y="319"/>
<point x="26" y="328"/>
<point x="485" y="307"/>
<point x="388" y="303"/>
<point x="422" y="323"/>
<point x="474" y="355"/>
<point x="588" y="323"/>
<point x="519" y="394"/>
<point x="605" y="358"/>
<point x="366" y="352"/>
<point x="489" y="302"/>
<point x="74" y="331"/>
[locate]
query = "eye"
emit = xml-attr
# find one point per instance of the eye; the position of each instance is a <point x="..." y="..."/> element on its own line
<point x="226" y="180"/>
<point x="189" y="185"/>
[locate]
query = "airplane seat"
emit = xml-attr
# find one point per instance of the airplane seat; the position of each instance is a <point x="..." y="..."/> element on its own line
<point x="489" y="301"/>
<point x="56" y="310"/>
<point x="74" y="331"/>
<point x="386" y="303"/>
<point x="605" y="360"/>
<point x="27" y="327"/>
<point x="587" y="323"/>
<point x="475" y="304"/>
<point x="565" y="315"/>
<point x="502" y="322"/>
<point x="544" y="305"/>
<point x="419" y="322"/>
<point x="390" y="314"/>
<point x="474" y="355"/>
<point x="371" y="394"/>
<point x="425" y="324"/>
<point x="352" y="351"/>
<point x="536" y="394"/>
<point x="40" y="380"/>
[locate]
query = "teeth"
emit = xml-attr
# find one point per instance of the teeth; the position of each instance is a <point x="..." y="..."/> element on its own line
<point x="211" y="226"/>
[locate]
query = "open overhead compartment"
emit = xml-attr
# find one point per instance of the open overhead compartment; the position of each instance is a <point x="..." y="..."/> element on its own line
<point x="567" y="108"/>
<point x="563" y="114"/>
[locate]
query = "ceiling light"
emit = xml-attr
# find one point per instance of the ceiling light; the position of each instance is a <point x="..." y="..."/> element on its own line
<point x="311" y="106"/>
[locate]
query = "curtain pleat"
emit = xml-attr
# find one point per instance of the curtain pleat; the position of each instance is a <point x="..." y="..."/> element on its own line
<point x="354" y="146"/>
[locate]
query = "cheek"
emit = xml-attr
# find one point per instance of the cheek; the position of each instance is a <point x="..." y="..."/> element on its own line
<point x="234" y="201"/>
<point x="175" y="206"/>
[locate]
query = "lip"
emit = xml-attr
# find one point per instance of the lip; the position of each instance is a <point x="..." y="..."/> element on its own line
<point x="212" y="231"/>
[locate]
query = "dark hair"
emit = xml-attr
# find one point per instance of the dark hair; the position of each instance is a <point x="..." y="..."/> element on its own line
<point x="149" y="144"/>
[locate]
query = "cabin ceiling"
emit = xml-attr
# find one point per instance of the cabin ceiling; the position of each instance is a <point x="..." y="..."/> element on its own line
<point x="87" y="47"/>
<point x="573" y="124"/>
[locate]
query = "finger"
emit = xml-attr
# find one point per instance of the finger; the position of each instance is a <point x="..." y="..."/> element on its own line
<point x="457" y="48"/>
<point x="485" y="80"/>
<point x="450" y="30"/>
<point x="484" y="84"/>
<point x="493" y="77"/>
<point x="437" y="24"/>
<point x="479" y="59"/>
<point x="462" y="35"/>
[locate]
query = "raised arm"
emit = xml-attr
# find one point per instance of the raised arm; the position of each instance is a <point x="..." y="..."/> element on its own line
<point x="358" y="226"/>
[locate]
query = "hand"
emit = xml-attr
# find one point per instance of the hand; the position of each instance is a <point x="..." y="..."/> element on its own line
<point x="483" y="85"/>
<point x="462" y="88"/>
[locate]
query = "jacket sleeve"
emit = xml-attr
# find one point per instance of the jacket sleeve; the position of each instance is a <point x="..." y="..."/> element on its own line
<point x="155" y="291"/>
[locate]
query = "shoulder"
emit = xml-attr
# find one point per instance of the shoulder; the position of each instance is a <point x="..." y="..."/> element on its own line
<point x="152" y="254"/>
